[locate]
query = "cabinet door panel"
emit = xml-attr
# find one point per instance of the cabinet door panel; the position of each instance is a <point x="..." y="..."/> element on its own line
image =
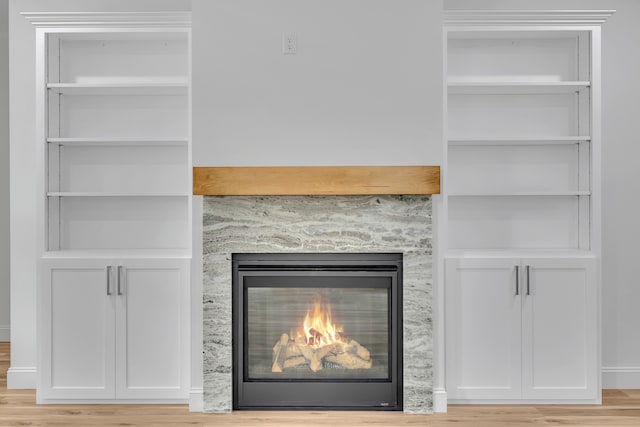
<point x="483" y="329"/>
<point x="151" y="331"/>
<point x="560" y="330"/>
<point x="77" y="330"/>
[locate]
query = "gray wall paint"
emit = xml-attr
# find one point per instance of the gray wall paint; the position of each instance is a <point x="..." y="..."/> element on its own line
<point x="4" y="171"/>
<point x="365" y="87"/>
<point x="620" y="186"/>
<point x="620" y="180"/>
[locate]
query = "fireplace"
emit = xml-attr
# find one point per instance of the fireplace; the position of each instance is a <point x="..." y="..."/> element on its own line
<point x="318" y="225"/>
<point x="317" y="331"/>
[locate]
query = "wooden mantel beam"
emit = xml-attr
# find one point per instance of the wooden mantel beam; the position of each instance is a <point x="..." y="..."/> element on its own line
<point x="315" y="180"/>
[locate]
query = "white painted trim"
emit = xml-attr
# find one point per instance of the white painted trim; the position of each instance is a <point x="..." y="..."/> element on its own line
<point x="5" y="333"/>
<point x="439" y="400"/>
<point x="438" y="298"/>
<point x="111" y="401"/>
<point x="109" y="19"/>
<point x="196" y="300"/>
<point x="526" y="17"/>
<point x="196" y="400"/>
<point x="525" y="402"/>
<point x="621" y="377"/>
<point x="21" y="377"/>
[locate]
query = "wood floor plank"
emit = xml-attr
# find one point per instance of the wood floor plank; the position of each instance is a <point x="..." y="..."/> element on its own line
<point x="621" y="408"/>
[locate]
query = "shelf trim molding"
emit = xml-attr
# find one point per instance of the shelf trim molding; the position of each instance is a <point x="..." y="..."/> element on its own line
<point x="525" y="194"/>
<point x="315" y="180"/>
<point x="106" y="194"/>
<point x="523" y="139"/>
<point x="120" y="142"/>
<point x="508" y="88"/>
<point x="109" y="19"/>
<point x="525" y="17"/>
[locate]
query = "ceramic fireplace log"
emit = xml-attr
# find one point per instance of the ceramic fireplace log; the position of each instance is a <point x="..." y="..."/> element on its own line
<point x="289" y="353"/>
<point x="279" y="353"/>
<point x="306" y="351"/>
<point x="359" y="350"/>
<point x="295" y="361"/>
<point x="319" y="354"/>
<point x="349" y="361"/>
<point x="292" y="350"/>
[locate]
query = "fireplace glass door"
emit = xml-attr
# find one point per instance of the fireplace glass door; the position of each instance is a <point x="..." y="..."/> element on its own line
<point x="317" y="330"/>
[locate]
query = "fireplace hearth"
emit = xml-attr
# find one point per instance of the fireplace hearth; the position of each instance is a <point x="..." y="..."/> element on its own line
<point x="317" y="331"/>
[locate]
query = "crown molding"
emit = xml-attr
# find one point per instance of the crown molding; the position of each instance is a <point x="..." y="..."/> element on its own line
<point x="109" y="19"/>
<point x="525" y="17"/>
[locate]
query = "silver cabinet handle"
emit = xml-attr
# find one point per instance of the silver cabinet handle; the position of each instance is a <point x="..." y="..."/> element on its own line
<point x="528" y="280"/>
<point x="120" y="268"/>
<point x="108" y="280"/>
<point x="517" y="280"/>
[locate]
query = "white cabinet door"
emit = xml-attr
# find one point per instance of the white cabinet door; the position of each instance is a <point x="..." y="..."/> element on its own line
<point x="560" y="329"/>
<point x="76" y="327"/>
<point x="483" y="323"/>
<point x="152" y="329"/>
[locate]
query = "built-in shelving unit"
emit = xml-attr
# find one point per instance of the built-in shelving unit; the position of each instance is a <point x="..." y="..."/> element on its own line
<point x="115" y="159"/>
<point x="522" y="203"/>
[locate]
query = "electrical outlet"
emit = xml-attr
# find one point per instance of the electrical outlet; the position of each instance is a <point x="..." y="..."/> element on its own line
<point x="289" y="43"/>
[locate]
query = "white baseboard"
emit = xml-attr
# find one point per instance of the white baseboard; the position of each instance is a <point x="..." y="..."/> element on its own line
<point x="5" y="333"/>
<point x="196" y="400"/>
<point x="21" y="377"/>
<point x="440" y="400"/>
<point x="621" y="377"/>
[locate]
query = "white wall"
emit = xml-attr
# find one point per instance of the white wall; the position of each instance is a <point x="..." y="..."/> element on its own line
<point x="621" y="178"/>
<point x="621" y="186"/>
<point x="365" y="87"/>
<point x="4" y="171"/>
<point x="23" y="186"/>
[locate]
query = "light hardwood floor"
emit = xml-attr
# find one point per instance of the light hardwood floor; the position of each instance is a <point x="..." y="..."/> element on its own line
<point x="18" y="408"/>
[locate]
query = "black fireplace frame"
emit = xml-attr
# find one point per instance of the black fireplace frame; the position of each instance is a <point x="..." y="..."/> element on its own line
<point x="370" y="394"/>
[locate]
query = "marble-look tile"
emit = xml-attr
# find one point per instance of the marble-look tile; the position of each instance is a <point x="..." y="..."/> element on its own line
<point x="273" y="224"/>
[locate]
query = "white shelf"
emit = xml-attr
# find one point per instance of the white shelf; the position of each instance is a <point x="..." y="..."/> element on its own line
<point x="100" y="194"/>
<point x="481" y="88"/>
<point x="519" y="253"/>
<point x="513" y="140"/>
<point x="148" y="253"/>
<point x="155" y="88"/>
<point x="523" y="194"/>
<point x="153" y="142"/>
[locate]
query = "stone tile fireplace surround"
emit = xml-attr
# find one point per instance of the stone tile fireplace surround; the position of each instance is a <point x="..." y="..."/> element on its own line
<point x="313" y="224"/>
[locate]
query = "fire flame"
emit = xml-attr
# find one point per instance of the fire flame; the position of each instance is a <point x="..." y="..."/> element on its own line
<point x="318" y="328"/>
